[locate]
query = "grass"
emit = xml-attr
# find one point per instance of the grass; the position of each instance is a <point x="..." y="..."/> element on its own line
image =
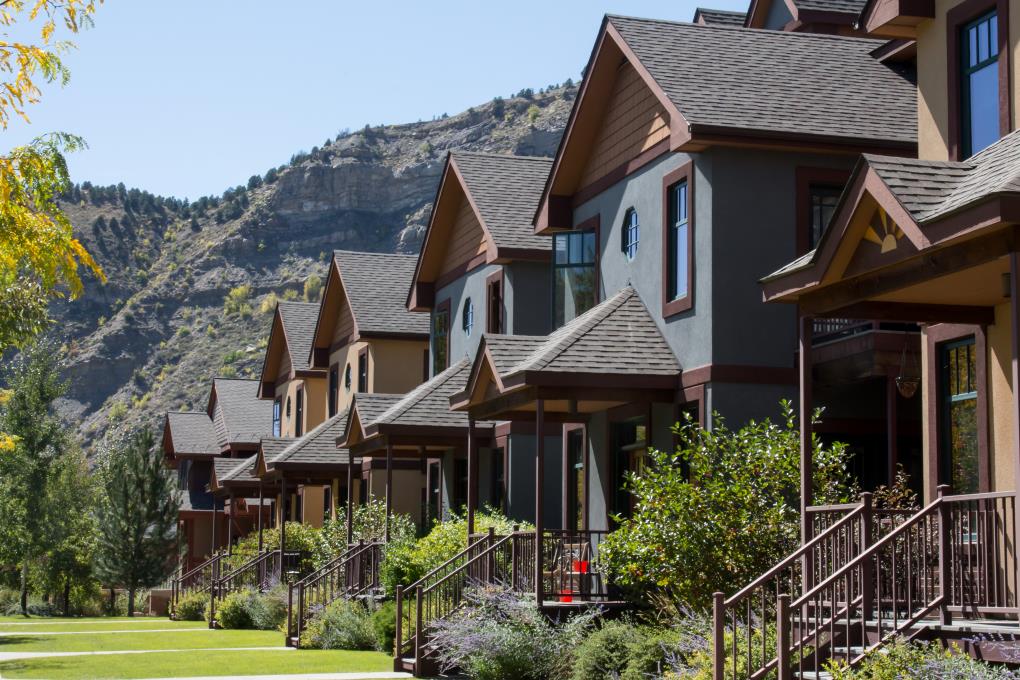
<point x="193" y="636"/>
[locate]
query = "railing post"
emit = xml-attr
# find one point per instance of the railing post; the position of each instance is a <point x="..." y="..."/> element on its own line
<point x="419" y="628"/>
<point x="783" y="637"/>
<point x="513" y="559"/>
<point x="867" y="573"/>
<point x="945" y="618"/>
<point x="398" y="637"/>
<point x="718" y="636"/>
<point x="290" y="612"/>
<point x="490" y="561"/>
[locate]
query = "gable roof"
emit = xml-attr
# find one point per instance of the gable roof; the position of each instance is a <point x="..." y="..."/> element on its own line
<point x="189" y="433"/>
<point x="839" y="12"/>
<point x="292" y="331"/>
<point x="719" y="17"/>
<point x="238" y="415"/>
<point x="318" y="447"/>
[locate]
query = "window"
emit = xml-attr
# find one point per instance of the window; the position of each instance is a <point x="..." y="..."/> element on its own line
<point x="327" y="503"/>
<point x="334" y="388"/>
<point x="959" y="415"/>
<point x="574" y="271"/>
<point x="363" y="370"/>
<point x="497" y="493"/>
<point x="183" y="470"/>
<point x="979" y="84"/>
<point x="276" y="417"/>
<point x="629" y="234"/>
<point x="441" y="338"/>
<point x="494" y="303"/>
<point x="347" y="378"/>
<point x="823" y="199"/>
<point x="299" y="420"/>
<point x="678" y="254"/>
<point x="575" y="477"/>
<point x="288" y="407"/>
<point x="435" y="492"/>
<point x="467" y="317"/>
<point x="460" y="484"/>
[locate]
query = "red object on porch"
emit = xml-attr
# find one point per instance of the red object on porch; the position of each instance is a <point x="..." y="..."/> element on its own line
<point x="566" y="596"/>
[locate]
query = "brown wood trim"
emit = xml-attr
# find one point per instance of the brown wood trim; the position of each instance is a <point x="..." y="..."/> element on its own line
<point x="880" y="16"/>
<point x="586" y="481"/>
<point x="916" y="312"/>
<point x="686" y="303"/>
<point x="363" y="352"/>
<point x="505" y="429"/>
<point x="493" y="279"/>
<point x="529" y="254"/>
<point x="690" y="395"/>
<point x="590" y="379"/>
<point x="619" y="173"/>
<point x="705" y="136"/>
<point x="444" y="307"/>
<point x="955" y="19"/>
<point x="937" y="335"/>
<point x="460" y="270"/>
<point x="594" y="223"/>
<point x="310" y="373"/>
<point x="805" y="177"/>
<point x="738" y="374"/>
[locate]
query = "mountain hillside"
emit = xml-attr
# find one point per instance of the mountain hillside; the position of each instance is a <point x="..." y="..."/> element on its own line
<point x="192" y="286"/>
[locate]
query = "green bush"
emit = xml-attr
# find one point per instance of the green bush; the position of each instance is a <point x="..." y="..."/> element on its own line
<point x="344" y="624"/>
<point x="238" y="301"/>
<point x="251" y="609"/>
<point x="369" y="525"/>
<point x="606" y="652"/>
<point x="920" y="660"/>
<point x="191" y="607"/>
<point x="300" y="537"/>
<point x="233" y="610"/>
<point x="723" y="505"/>
<point x="384" y="621"/>
<point x="407" y="561"/>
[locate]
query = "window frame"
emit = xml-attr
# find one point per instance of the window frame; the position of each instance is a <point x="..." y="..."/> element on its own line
<point x="685" y="173"/>
<point x="495" y="310"/>
<point x="443" y="308"/>
<point x="631" y="227"/>
<point x="277" y="417"/>
<point x="808" y="177"/>
<point x="299" y="412"/>
<point x="467" y="317"/>
<point x="333" y="385"/>
<point x="348" y="378"/>
<point x="363" y="370"/>
<point x="956" y="19"/>
<point x="593" y="225"/>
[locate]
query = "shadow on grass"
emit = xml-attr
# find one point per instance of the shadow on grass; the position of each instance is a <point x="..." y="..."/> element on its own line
<point x="22" y="639"/>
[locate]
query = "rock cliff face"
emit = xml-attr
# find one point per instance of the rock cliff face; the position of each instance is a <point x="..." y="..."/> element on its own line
<point x="191" y="286"/>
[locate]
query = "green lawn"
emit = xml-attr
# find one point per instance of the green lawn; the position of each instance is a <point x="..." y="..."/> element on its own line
<point x="158" y="664"/>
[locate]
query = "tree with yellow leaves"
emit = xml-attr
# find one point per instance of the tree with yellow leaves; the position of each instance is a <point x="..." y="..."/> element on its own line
<point x="39" y="254"/>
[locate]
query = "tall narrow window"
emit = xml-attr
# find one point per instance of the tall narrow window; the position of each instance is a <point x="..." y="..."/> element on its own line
<point x="575" y="481"/>
<point x="574" y="269"/>
<point x="823" y="199"/>
<point x="276" y="417"/>
<point x="494" y="304"/>
<point x="959" y="415"/>
<point x="630" y="234"/>
<point x="441" y="338"/>
<point x="334" y="388"/>
<point x="363" y="370"/>
<point x="467" y="317"/>
<point x="678" y="245"/>
<point x="347" y="377"/>
<point x="497" y="494"/>
<point x="979" y="84"/>
<point x="299" y="413"/>
<point x="435" y="491"/>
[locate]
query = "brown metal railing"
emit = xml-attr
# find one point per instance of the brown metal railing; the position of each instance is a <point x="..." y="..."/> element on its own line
<point x="196" y="580"/>
<point x="570" y="566"/>
<point x="982" y="575"/>
<point x="261" y="572"/>
<point x="354" y="573"/>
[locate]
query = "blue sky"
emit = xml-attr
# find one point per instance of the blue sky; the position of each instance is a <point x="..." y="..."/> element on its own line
<point x="189" y="97"/>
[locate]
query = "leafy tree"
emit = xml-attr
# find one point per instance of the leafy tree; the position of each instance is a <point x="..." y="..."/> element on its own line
<point x="313" y="285"/>
<point x="38" y="442"/>
<point x="137" y="517"/>
<point x="719" y="510"/>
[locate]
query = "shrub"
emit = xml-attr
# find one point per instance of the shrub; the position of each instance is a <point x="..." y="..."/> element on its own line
<point x="290" y="294"/>
<point x="384" y="622"/>
<point x="300" y="537"/>
<point x="497" y="635"/>
<point x="313" y="285"/>
<point x="407" y="561"/>
<point x="268" y="304"/>
<point x="191" y="607"/>
<point x="369" y="525"/>
<point x="906" y="660"/>
<point x="723" y="505"/>
<point x="237" y="301"/>
<point x="606" y="653"/>
<point x="268" y="610"/>
<point x="234" y="611"/>
<point x="344" y="624"/>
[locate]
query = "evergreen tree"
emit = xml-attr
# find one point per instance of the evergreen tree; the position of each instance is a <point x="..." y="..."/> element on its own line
<point x="137" y="517"/>
<point x="26" y="532"/>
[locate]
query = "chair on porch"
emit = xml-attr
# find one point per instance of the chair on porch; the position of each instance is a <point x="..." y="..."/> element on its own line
<point x="572" y="574"/>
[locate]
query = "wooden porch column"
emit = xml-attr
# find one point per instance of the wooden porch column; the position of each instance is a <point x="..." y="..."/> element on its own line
<point x="213" y="551"/>
<point x="892" y="427"/>
<point x="284" y="505"/>
<point x="472" y="480"/>
<point x="389" y="486"/>
<point x="230" y="526"/>
<point x="1014" y="343"/>
<point x="539" y="488"/>
<point x="350" y="499"/>
<point x="565" y="478"/>
<point x="806" y="331"/>
<point x="261" y="509"/>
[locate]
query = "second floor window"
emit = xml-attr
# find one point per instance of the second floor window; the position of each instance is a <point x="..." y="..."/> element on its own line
<point x="299" y="414"/>
<point x="630" y="234"/>
<point x="467" y="320"/>
<point x="276" y="417"/>
<point x="574" y="275"/>
<point x="441" y="338"/>
<point x="823" y="199"/>
<point x="347" y="378"/>
<point x="979" y="84"/>
<point x="678" y="256"/>
<point x="363" y="371"/>
<point x="494" y="316"/>
<point x="334" y="388"/>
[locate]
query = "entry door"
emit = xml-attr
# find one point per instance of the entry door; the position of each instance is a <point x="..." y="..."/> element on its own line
<point x="960" y="454"/>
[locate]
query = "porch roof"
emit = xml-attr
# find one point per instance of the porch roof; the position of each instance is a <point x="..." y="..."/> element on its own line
<point x="189" y="434"/>
<point x="614" y="347"/>
<point x="314" y="452"/>
<point x="238" y="415"/>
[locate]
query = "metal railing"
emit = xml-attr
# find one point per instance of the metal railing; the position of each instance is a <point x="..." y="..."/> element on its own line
<point x="198" y="579"/>
<point x="261" y="572"/>
<point x="352" y="574"/>
<point x="570" y="566"/>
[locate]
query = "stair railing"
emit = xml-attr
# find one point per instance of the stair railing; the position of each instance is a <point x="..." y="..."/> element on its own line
<point x="260" y="572"/>
<point x="197" y="579"/>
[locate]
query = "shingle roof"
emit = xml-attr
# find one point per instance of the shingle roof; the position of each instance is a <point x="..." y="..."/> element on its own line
<point x="319" y="445"/>
<point x="192" y="432"/>
<point x="376" y="285"/>
<point x="371" y="406"/>
<point x="244" y="471"/>
<point x="223" y="466"/>
<point x="930" y="189"/>
<point x="616" y="337"/>
<point x="506" y="189"/>
<point x="429" y="403"/>
<point x="720" y="17"/>
<point x="240" y="416"/>
<point x="774" y="82"/>
<point x="273" y="446"/>
<point x="299" y="325"/>
<point x="853" y="7"/>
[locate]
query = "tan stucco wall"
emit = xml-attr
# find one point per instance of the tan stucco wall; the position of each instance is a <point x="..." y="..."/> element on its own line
<point x="394" y="366"/>
<point x="407" y="494"/>
<point x="1000" y="401"/>
<point x="933" y="79"/>
<point x="314" y="407"/>
<point x="312" y="501"/>
<point x="342" y="357"/>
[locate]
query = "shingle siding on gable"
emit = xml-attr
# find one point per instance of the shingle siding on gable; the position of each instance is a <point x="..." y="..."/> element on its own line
<point x="467" y="239"/>
<point x="634" y="121"/>
<point x="344" y="327"/>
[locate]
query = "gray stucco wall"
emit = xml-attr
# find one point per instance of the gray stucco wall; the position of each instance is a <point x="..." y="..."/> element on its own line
<point x="471" y="285"/>
<point x="521" y="479"/>
<point x="779" y="15"/>
<point x="531" y="283"/>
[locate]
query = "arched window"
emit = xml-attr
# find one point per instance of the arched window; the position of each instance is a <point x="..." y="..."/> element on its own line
<point x="629" y="236"/>
<point x="467" y="320"/>
<point x="347" y="378"/>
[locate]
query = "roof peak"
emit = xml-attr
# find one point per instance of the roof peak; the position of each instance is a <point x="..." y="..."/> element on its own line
<point x="796" y="35"/>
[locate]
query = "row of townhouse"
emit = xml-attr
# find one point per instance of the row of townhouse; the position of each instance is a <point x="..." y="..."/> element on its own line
<point x="563" y="313"/>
